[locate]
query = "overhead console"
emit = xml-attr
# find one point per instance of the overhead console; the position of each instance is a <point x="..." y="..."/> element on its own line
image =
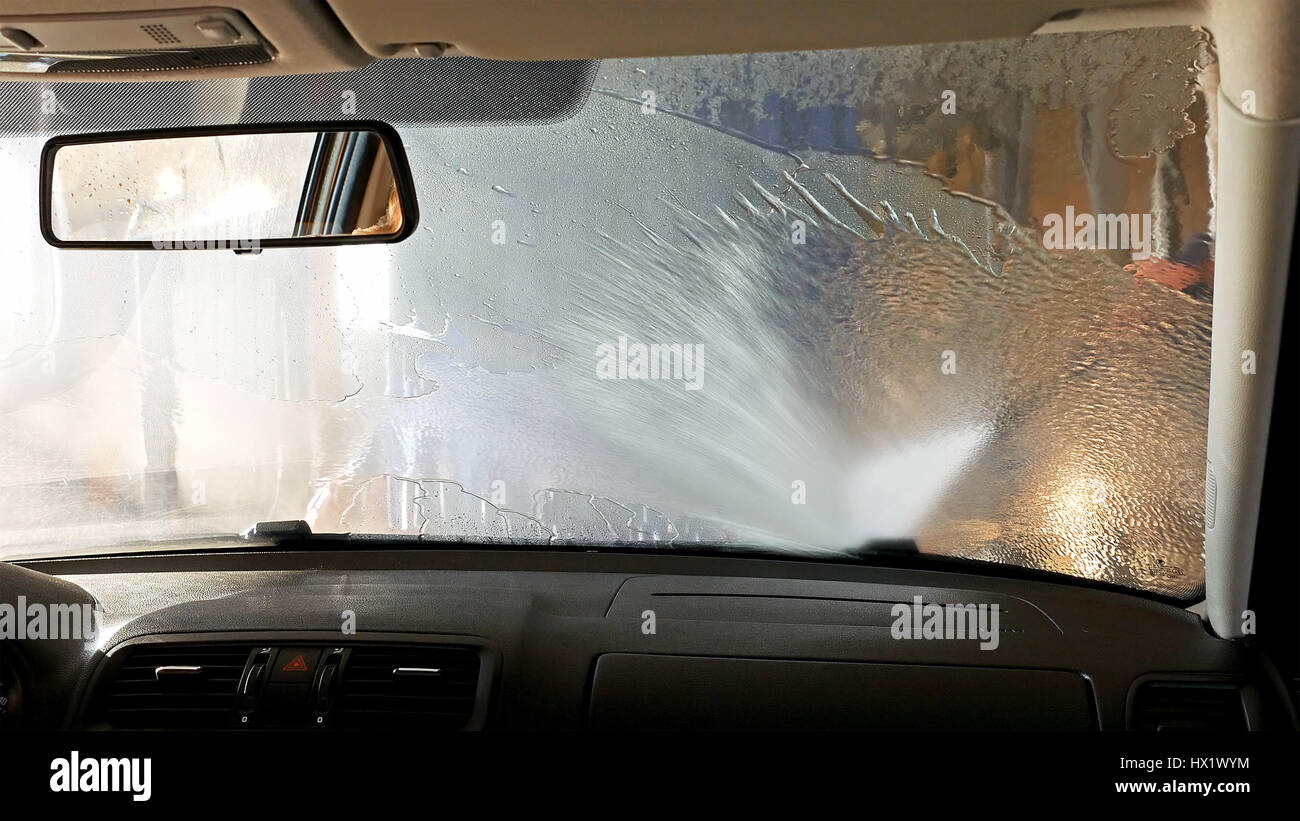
<point x="130" y="41"/>
<point x="59" y="40"/>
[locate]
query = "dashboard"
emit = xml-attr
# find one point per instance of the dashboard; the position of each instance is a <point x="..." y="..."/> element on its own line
<point x="466" y="639"/>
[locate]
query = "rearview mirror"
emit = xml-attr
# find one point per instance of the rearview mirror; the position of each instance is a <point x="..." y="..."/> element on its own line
<point x="238" y="187"/>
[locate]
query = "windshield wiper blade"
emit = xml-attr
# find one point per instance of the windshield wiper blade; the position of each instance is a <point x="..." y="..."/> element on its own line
<point x="277" y="531"/>
<point x="889" y="547"/>
<point x="289" y="531"/>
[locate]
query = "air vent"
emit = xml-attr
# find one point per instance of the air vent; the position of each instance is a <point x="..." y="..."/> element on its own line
<point x="1174" y="706"/>
<point x="408" y="687"/>
<point x="174" y="686"/>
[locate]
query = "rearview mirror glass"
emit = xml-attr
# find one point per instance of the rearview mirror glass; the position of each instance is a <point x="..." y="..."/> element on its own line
<point x="240" y="188"/>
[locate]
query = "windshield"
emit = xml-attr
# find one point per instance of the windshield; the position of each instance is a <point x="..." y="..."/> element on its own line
<point x="956" y="294"/>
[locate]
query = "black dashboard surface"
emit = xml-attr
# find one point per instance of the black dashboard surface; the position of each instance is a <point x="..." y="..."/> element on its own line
<point x="647" y="640"/>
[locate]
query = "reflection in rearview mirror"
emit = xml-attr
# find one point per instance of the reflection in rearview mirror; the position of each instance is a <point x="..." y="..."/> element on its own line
<point x="240" y="188"/>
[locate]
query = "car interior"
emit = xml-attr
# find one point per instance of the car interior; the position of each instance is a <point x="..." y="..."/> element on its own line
<point x="435" y="365"/>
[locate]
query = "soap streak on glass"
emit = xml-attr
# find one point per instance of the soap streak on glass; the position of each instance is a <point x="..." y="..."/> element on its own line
<point x="892" y="353"/>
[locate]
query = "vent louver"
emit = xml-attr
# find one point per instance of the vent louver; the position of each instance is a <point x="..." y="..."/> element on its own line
<point x="1173" y="706"/>
<point x="174" y="686"/>
<point x="408" y="687"/>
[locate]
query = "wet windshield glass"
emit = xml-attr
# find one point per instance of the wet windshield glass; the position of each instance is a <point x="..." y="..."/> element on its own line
<point x="958" y="294"/>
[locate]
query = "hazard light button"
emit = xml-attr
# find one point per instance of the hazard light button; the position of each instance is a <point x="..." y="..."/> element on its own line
<point x="295" y="664"/>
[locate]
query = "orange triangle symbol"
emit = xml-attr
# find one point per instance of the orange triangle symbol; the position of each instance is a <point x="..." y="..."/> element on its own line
<point x="297" y="665"/>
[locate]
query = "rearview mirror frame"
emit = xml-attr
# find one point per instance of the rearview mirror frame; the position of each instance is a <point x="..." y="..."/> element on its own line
<point x="392" y="143"/>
